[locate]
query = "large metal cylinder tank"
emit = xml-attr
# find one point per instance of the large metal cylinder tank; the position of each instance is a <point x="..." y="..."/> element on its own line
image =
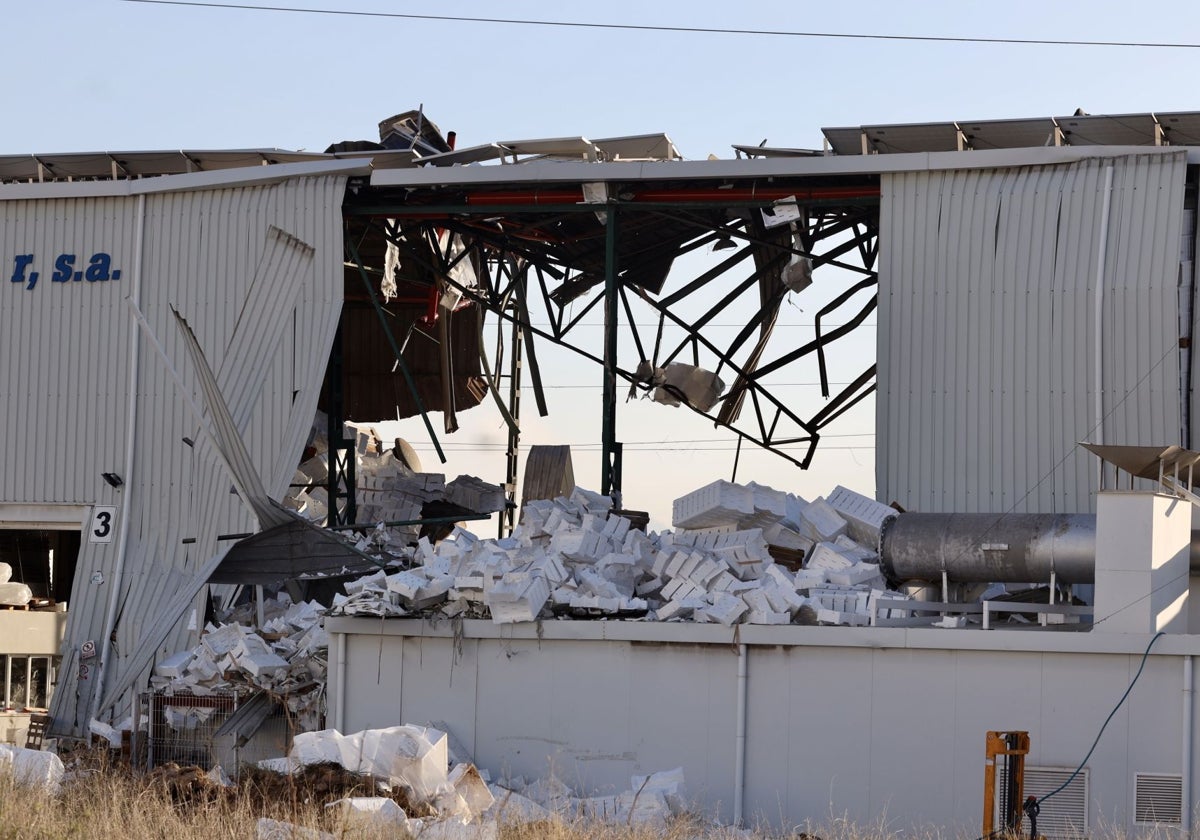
<point x="990" y="547"/>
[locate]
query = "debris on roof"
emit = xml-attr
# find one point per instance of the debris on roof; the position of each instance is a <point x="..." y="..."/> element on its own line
<point x="575" y="558"/>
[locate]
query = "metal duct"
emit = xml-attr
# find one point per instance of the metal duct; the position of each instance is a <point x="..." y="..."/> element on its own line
<point x="982" y="547"/>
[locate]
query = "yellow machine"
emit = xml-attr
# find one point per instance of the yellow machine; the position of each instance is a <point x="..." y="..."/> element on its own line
<point x="1009" y="750"/>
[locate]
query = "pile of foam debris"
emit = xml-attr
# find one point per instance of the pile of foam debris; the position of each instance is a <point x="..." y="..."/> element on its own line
<point x="286" y="657"/>
<point x="390" y="486"/>
<point x="446" y="796"/>
<point x="575" y="558"/>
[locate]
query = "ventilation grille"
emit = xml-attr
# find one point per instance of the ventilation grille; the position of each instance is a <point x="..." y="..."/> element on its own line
<point x="1158" y="798"/>
<point x="1064" y="815"/>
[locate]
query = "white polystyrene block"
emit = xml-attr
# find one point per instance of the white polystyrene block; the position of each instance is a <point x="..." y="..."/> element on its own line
<point x="864" y="516"/>
<point x="174" y="665"/>
<point x="821" y="522"/>
<point x="406" y="584"/>
<point x="854" y="575"/>
<point x="855" y="550"/>
<point x="725" y="608"/>
<point x="767" y="617"/>
<point x="719" y="503"/>
<point x="826" y="556"/>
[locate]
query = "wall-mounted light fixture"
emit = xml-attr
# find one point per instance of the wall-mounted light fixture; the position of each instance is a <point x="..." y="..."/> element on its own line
<point x="112" y="479"/>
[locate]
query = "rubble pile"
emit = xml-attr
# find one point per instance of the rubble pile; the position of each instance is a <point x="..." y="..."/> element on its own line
<point x="286" y="657"/>
<point x="425" y="789"/>
<point x="441" y="801"/>
<point x="389" y="485"/>
<point x="650" y="800"/>
<point x="572" y="557"/>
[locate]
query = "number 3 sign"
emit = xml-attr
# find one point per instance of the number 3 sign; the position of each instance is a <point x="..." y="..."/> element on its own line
<point x="104" y="520"/>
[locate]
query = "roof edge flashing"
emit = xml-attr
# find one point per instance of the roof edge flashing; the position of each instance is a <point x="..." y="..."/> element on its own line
<point x="209" y="180"/>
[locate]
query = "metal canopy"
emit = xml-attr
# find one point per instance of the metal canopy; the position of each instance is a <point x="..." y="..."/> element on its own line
<point x="1150" y="462"/>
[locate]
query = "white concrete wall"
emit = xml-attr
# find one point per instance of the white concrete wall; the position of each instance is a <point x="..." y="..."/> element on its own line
<point x="872" y="724"/>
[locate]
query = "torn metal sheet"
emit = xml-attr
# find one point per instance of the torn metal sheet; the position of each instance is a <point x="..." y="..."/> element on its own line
<point x="294" y="549"/>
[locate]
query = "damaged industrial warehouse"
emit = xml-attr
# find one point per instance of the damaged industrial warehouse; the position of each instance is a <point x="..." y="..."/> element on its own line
<point x="229" y="540"/>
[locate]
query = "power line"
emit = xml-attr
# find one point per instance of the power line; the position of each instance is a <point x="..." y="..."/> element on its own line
<point x="678" y="29"/>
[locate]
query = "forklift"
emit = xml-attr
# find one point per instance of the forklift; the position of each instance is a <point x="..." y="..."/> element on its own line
<point x="1009" y="749"/>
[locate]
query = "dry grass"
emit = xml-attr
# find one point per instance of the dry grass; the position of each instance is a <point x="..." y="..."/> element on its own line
<point x="102" y="802"/>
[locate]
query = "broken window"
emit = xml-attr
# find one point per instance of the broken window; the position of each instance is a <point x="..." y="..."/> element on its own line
<point x="25" y="681"/>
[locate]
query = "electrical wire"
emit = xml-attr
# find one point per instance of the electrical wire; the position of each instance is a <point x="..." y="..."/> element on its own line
<point x="1104" y="726"/>
<point x="703" y="30"/>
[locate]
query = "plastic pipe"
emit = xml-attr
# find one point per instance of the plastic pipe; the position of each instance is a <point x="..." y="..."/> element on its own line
<point x="1186" y="781"/>
<point x="1101" y="251"/>
<point x="340" y="682"/>
<point x="739" y="759"/>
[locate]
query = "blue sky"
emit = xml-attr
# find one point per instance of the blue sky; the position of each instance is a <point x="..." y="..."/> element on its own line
<point x="111" y="75"/>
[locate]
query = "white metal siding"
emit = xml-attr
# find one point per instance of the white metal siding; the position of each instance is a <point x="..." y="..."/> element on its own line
<point x="987" y="329"/>
<point x="264" y="313"/>
<point x="871" y="726"/>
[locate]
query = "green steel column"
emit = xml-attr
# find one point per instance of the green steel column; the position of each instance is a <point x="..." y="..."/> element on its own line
<point x="508" y="517"/>
<point x="387" y="331"/>
<point x="610" y="479"/>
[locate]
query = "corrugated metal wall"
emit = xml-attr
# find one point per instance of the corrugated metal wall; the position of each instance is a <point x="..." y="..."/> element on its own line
<point x="257" y="271"/>
<point x="987" y="329"/>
